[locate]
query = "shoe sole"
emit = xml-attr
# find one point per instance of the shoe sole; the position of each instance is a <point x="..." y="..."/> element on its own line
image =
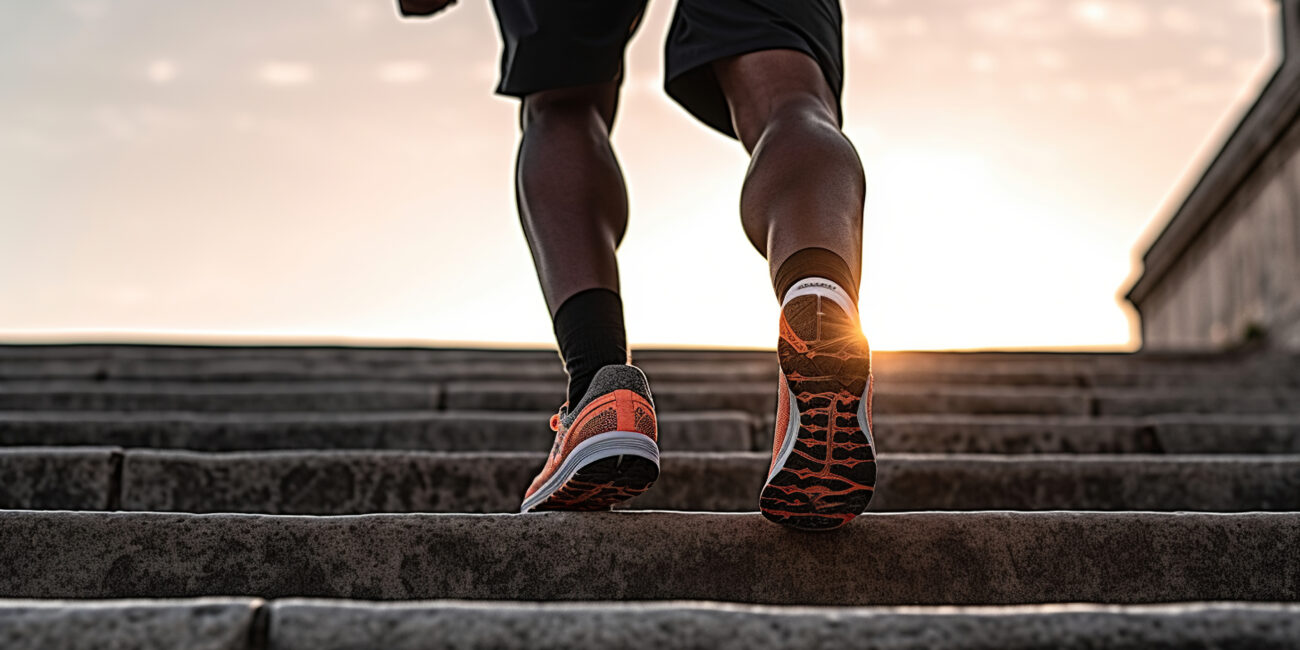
<point x="604" y="470"/>
<point x="825" y="472"/>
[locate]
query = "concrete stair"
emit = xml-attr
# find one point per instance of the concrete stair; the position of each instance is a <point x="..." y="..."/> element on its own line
<point x="316" y="624"/>
<point x="754" y="398"/>
<point x="356" y="482"/>
<point x="223" y="485"/>
<point x="928" y="558"/>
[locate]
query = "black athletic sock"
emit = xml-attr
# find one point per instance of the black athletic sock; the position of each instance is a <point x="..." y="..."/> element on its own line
<point x="589" y="330"/>
<point x="814" y="263"/>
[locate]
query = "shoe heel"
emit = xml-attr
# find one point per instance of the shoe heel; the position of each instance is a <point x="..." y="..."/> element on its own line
<point x="606" y="469"/>
<point x="827" y="476"/>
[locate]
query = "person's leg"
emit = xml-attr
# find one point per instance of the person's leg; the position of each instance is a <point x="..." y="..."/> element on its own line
<point x="573" y="206"/>
<point x="572" y="199"/>
<point x="564" y="60"/>
<point x="801" y="204"/>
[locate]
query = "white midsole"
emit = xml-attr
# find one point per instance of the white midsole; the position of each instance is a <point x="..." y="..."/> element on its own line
<point x="791" y="432"/>
<point x="597" y="447"/>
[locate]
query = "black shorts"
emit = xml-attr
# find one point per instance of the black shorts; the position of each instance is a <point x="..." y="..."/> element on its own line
<point x="559" y="43"/>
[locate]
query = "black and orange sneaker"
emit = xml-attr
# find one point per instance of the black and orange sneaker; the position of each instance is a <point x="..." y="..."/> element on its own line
<point x="823" y="468"/>
<point x="606" y="448"/>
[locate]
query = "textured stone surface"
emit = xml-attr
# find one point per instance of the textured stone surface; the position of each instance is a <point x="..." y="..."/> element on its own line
<point x="270" y="370"/>
<point x="549" y="370"/>
<point x="1261" y="434"/>
<point x="57" y="479"/>
<point x="333" y="625"/>
<point x="429" y="431"/>
<point x="327" y="482"/>
<point x="317" y="624"/>
<point x="373" y="355"/>
<point x="1105" y="482"/>
<point x="756" y="398"/>
<point x="1113" y="402"/>
<point x="1006" y="434"/>
<point x="697" y="431"/>
<point x="361" y="482"/>
<point x="204" y="624"/>
<point x="1184" y="434"/>
<point x="136" y="396"/>
<point x="921" y="558"/>
<point x="759" y="398"/>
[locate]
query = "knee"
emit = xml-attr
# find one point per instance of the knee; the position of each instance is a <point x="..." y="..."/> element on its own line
<point x="582" y="107"/>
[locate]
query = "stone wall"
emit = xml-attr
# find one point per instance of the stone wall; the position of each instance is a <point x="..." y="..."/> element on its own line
<point x="1240" y="277"/>
<point x="1226" y="269"/>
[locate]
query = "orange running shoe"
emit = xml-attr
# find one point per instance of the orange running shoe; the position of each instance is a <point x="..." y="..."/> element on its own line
<point x="606" y="449"/>
<point x="823" y="468"/>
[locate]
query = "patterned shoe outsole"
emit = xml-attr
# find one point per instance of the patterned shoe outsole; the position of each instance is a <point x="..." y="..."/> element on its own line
<point x="604" y="483"/>
<point x="830" y="474"/>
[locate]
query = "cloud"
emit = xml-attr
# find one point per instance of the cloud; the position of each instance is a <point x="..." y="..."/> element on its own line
<point x="1026" y="19"/>
<point x="283" y="73"/>
<point x="1072" y="91"/>
<point x="113" y="122"/>
<point x="983" y="62"/>
<point x="1162" y="78"/>
<point x="1113" y="19"/>
<point x="1119" y="97"/>
<point x="1206" y="93"/>
<point x="1214" y="57"/>
<point x="161" y="71"/>
<point x="1179" y="20"/>
<point x="87" y="9"/>
<point x="403" y="72"/>
<point x="864" y="40"/>
<point x="1049" y="58"/>
<point x="915" y="25"/>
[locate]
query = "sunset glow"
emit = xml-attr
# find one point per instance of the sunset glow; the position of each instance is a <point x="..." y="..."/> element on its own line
<point x="323" y="170"/>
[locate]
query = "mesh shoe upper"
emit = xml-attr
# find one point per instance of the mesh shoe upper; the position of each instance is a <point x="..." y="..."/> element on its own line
<point x="618" y="400"/>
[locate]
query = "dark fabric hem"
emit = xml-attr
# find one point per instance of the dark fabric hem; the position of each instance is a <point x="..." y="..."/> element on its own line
<point x="691" y="83"/>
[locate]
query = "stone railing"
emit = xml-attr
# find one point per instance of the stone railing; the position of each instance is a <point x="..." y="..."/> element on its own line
<point x="1226" y="269"/>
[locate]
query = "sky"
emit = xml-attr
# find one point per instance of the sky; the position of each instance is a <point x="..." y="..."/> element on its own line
<point x="321" y="170"/>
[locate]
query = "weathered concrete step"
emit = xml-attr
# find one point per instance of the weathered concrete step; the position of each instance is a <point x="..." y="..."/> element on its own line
<point x="755" y="398"/>
<point x="1121" y="367"/>
<point x="550" y="371"/>
<point x="194" y="624"/>
<point x="244" y="363"/>
<point x="915" y="558"/>
<point x="334" y="625"/>
<point x="1173" y="434"/>
<point x="232" y="370"/>
<point x="363" y="396"/>
<point x="693" y="431"/>
<point x="393" y="354"/>
<point x="760" y="399"/>
<point x="426" y="430"/>
<point x="320" y="624"/>
<point x="358" y="482"/>
<point x="53" y="478"/>
<point x="331" y="483"/>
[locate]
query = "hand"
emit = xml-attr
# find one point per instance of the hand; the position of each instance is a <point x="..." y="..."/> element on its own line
<point x="423" y="7"/>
